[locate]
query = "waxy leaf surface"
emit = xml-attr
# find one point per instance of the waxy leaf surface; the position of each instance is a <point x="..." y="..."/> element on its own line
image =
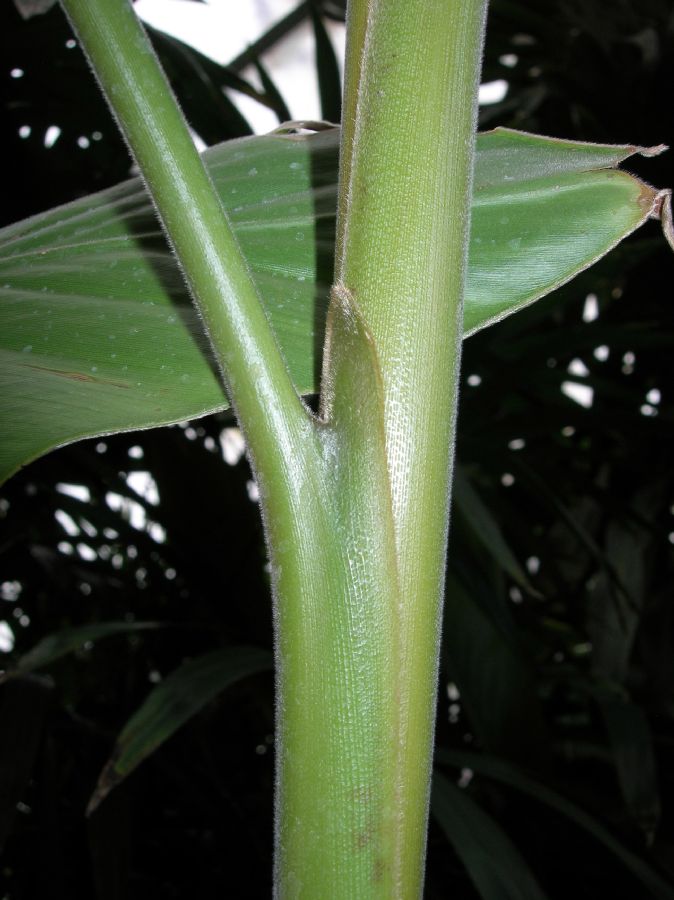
<point x="97" y="333"/>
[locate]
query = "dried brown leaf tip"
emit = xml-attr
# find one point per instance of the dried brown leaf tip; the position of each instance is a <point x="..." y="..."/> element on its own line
<point x="662" y="210"/>
<point x="651" y="151"/>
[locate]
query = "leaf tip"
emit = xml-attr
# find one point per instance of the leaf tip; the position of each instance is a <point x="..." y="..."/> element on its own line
<point x="662" y="210"/>
<point x="651" y="151"/>
<point x="300" y="128"/>
<point x="107" y="780"/>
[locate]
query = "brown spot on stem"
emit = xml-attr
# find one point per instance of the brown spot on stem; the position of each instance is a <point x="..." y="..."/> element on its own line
<point x="364" y="837"/>
<point x="378" y="871"/>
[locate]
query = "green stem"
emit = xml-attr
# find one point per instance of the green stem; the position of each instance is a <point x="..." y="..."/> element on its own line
<point x="337" y="606"/>
<point x="356" y="504"/>
<point x="358" y="606"/>
<point x="260" y="389"/>
<point x="412" y="75"/>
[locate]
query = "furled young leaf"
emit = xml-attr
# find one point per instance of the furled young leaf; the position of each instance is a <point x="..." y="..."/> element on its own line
<point x="97" y="334"/>
<point x="494" y="864"/>
<point x="511" y="776"/>
<point x="175" y="700"/>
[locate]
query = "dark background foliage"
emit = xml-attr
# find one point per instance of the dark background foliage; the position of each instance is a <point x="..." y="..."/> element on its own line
<point x="558" y="656"/>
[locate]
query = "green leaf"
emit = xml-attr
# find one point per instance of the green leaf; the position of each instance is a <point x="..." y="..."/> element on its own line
<point x="175" y="700"/>
<point x="60" y="643"/>
<point x="512" y="776"/>
<point x="467" y="503"/>
<point x="631" y="742"/>
<point x="327" y="69"/>
<point x="494" y="677"/>
<point x="495" y="866"/>
<point x="274" y="96"/>
<point x="97" y="333"/>
<point x="208" y="108"/>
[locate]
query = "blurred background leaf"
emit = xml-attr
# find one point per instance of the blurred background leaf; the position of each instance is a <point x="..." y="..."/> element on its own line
<point x="172" y="703"/>
<point x="495" y="867"/>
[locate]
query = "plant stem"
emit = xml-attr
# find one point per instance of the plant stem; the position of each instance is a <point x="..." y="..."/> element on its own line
<point x="412" y="75"/>
<point x="355" y="504"/>
<point x="337" y="605"/>
<point x="358" y="622"/>
<point x="270" y="412"/>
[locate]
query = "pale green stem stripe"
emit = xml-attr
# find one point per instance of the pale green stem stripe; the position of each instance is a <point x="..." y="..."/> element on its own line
<point x="257" y="380"/>
<point x="412" y="77"/>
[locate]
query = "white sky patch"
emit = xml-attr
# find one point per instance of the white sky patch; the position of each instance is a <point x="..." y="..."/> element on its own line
<point x="135" y="515"/>
<point x="216" y="29"/>
<point x="89" y="529"/>
<point x="492" y="92"/>
<point x="591" y="308"/>
<point x="86" y="552"/>
<point x="198" y="142"/>
<point x="577" y="367"/>
<point x="232" y="445"/>
<point x="221" y="32"/>
<point x="6" y="638"/>
<point x="582" y="394"/>
<point x="157" y="532"/>
<point x="51" y="135"/>
<point x="533" y="565"/>
<point x="77" y="491"/>
<point x="10" y="590"/>
<point x="132" y="511"/>
<point x="144" y="485"/>
<point x="67" y="523"/>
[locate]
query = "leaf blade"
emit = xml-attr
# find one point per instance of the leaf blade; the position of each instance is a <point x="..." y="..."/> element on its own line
<point x="169" y="706"/>
<point x="97" y="325"/>
<point x="54" y="646"/>
<point x="511" y="775"/>
<point x="494" y="864"/>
